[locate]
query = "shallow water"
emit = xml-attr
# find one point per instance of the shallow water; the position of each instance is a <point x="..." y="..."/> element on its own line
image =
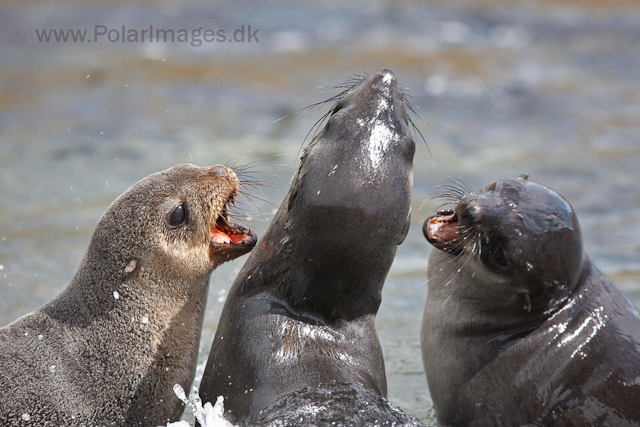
<point x="547" y="88"/>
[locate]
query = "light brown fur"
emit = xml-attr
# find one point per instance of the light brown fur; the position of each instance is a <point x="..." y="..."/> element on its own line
<point x="92" y="357"/>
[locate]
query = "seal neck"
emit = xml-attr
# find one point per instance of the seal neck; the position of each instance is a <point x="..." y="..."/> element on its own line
<point x="130" y="328"/>
<point x="325" y="284"/>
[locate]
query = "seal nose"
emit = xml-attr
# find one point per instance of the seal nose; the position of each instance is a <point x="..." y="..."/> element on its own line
<point x="387" y="76"/>
<point x="218" y="172"/>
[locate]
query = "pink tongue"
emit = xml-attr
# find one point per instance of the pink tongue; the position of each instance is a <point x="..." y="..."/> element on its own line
<point x="218" y="236"/>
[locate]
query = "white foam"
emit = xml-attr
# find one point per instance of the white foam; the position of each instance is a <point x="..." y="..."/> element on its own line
<point x="207" y="415"/>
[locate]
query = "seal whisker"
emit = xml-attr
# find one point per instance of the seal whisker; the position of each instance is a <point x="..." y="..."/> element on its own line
<point x="259" y="185"/>
<point x="409" y="105"/>
<point x="466" y="234"/>
<point x="251" y="196"/>
<point x="247" y="189"/>
<point x="456" y="272"/>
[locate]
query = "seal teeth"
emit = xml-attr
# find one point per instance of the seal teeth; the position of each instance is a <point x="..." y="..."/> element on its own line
<point x="224" y="233"/>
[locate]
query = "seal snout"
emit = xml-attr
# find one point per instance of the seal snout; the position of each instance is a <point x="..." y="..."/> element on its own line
<point x="225" y="237"/>
<point x="442" y="231"/>
<point x="225" y="234"/>
<point x="387" y="76"/>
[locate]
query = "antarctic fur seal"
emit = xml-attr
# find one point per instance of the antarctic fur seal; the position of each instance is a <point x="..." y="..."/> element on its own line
<point x="301" y="311"/>
<point x="110" y="347"/>
<point x="520" y="327"/>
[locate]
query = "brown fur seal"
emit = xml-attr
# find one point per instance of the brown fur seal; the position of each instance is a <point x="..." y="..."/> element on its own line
<point x="520" y="327"/>
<point x="299" y="321"/>
<point x="110" y="347"/>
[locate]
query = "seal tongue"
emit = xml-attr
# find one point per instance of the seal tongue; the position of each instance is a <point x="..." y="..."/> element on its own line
<point x="441" y="229"/>
<point x="224" y="233"/>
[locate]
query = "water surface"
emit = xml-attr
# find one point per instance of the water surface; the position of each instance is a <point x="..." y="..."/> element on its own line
<point x="547" y="88"/>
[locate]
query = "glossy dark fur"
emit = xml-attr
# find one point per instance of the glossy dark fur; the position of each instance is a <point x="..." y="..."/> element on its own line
<point x="301" y="312"/>
<point x="542" y="339"/>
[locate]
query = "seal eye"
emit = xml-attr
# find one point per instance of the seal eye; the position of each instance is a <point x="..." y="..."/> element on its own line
<point x="499" y="257"/>
<point x="178" y="216"/>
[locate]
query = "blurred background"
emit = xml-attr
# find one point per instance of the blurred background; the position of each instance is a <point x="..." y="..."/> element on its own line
<point x="546" y="87"/>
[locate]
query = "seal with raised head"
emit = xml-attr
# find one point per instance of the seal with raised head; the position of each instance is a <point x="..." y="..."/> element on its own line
<point x="301" y="311"/>
<point x="520" y="327"/>
<point x="109" y="349"/>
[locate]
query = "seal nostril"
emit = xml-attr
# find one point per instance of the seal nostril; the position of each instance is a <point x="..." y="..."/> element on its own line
<point x="218" y="171"/>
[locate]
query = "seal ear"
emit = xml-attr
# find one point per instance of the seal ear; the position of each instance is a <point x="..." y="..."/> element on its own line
<point x="524" y="177"/>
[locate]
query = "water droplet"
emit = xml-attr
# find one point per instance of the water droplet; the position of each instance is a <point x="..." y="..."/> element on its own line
<point x="26" y="417"/>
<point x="40" y="337"/>
<point x="145" y="320"/>
<point x="52" y="369"/>
<point x="116" y="295"/>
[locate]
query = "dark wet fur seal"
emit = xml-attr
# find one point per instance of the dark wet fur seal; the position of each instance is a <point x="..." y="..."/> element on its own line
<point x="110" y="347"/>
<point x="520" y="327"/>
<point x="333" y="404"/>
<point x="301" y="311"/>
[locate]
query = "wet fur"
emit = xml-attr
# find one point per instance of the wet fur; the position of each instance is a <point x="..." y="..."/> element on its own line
<point x="95" y="362"/>
<point x="510" y="353"/>
<point x="301" y="312"/>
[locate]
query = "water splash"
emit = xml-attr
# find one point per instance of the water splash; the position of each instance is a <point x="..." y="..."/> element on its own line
<point x="207" y="415"/>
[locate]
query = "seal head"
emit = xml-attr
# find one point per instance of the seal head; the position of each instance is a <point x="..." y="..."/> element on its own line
<point x="502" y="236"/>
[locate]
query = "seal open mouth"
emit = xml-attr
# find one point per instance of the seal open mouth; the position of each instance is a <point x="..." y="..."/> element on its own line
<point x="441" y="230"/>
<point x="225" y="234"/>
